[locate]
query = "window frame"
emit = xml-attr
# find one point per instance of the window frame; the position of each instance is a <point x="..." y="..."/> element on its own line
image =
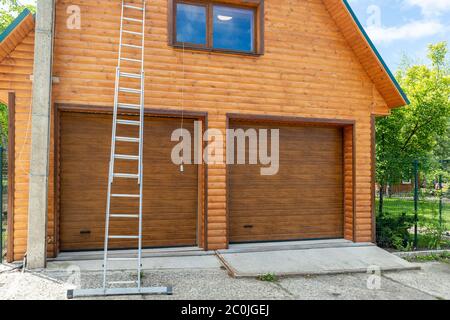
<point x="258" y="35"/>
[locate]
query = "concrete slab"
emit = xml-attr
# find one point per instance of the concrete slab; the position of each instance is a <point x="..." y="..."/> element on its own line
<point x="312" y="261"/>
<point x="202" y="262"/>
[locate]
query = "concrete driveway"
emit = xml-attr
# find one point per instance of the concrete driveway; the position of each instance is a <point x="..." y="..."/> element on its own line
<point x="318" y="271"/>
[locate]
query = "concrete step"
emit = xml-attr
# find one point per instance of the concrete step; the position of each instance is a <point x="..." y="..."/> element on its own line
<point x="292" y="245"/>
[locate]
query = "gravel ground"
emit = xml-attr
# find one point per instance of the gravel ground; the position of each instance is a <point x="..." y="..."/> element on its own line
<point x="15" y="285"/>
<point x="433" y="279"/>
<point x="433" y="282"/>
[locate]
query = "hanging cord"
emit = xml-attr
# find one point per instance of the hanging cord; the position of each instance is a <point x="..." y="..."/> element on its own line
<point x="26" y="139"/>
<point x="182" y="107"/>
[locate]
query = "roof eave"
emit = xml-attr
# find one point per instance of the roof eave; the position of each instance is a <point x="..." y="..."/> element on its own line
<point x="21" y="26"/>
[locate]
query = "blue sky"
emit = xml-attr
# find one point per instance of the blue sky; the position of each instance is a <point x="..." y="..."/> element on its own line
<point x="399" y="27"/>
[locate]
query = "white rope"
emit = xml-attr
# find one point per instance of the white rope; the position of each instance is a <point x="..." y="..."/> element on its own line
<point x="19" y="156"/>
<point x="182" y="106"/>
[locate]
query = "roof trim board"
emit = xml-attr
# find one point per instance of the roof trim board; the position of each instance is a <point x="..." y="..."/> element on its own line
<point x="14" y="24"/>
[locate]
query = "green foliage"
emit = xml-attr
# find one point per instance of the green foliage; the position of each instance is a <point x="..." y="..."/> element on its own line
<point x="441" y="257"/>
<point x="393" y="231"/>
<point x="3" y="124"/>
<point x="412" y="132"/>
<point x="432" y="233"/>
<point x="394" y="226"/>
<point x="12" y="9"/>
<point x="442" y="149"/>
<point x="9" y="10"/>
<point x="268" y="277"/>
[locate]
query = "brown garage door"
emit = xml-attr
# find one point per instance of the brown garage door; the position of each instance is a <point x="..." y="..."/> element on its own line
<point x="169" y="197"/>
<point x="303" y="201"/>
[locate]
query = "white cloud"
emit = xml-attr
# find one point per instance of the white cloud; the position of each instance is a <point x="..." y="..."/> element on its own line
<point x="430" y="7"/>
<point x="409" y="31"/>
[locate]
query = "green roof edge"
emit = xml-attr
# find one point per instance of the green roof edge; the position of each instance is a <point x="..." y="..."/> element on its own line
<point x="380" y="58"/>
<point x="14" y="24"/>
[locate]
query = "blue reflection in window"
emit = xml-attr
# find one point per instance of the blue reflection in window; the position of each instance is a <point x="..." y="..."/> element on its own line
<point x="191" y="23"/>
<point x="233" y="28"/>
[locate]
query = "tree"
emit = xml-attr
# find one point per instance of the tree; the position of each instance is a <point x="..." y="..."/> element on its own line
<point x="413" y="132"/>
<point x="12" y="8"/>
<point x="442" y="150"/>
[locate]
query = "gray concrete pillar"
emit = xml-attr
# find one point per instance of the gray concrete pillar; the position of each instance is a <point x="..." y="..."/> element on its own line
<point x="40" y="135"/>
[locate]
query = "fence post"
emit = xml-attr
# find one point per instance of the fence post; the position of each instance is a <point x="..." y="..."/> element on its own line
<point x="440" y="200"/>
<point x="416" y="200"/>
<point x="1" y="204"/>
<point x="380" y="204"/>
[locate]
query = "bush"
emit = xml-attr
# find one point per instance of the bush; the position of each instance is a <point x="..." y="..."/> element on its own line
<point x="393" y="231"/>
<point x="432" y="233"/>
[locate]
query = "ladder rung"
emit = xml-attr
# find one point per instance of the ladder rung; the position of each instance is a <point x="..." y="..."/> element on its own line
<point x="131" y="216"/>
<point x="129" y="122"/>
<point x="122" y="259"/>
<point x="131" y="46"/>
<point x="127" y="139"/>
<point x="129" y="90"/>
<point x="129" y="6"/>
<point x="132" y="19"/>
<point x="123" y="237"/>
<point x="132" y="32"/>
<point x="117" y="195"/>
<point x="126" y="175"/>
<point x="122" y="282"/>
<point x="129" y="106"/>
<point x="126" y="157"/>
<point x="131" y="60"/>
<point x="131" y="75"/>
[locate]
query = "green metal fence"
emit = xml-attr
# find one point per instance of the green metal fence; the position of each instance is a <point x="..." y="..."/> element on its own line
<point x="415" y="213"/>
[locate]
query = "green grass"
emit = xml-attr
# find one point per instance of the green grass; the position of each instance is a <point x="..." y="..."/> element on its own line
<point x="424" y="240"/>
<point x="442" y="257"/>
<point x="427" y="208"/>
<point x="268" y="277"/>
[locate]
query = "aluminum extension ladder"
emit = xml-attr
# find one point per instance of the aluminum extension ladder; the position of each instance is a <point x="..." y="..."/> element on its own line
<point x="129" y="38"/>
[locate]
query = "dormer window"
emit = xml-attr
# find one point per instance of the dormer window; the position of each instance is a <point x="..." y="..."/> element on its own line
<point x="217" y="26"/>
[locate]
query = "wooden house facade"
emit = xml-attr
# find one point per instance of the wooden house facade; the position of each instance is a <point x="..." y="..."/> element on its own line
<point x="311" y="72"/>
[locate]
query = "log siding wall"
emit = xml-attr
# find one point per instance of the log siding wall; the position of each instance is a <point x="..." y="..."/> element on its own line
<point x="308" y="70"/>
<point x="16" y="71"/>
